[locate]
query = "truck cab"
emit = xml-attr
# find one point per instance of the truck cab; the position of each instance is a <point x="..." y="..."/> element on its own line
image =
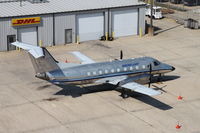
<point x="157" y="14"/>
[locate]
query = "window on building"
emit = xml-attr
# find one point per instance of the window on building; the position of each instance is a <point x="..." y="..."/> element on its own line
<point x="112" y="70"/>
<point x="10" y="39"/>
<point x="125" y="69"/>
<point x="118" y="69"/>
<point x="137" y="67"/>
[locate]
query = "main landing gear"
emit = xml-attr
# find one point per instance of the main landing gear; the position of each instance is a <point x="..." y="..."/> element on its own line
<point x="160" y="78"/>
<point x="124" y="93"/>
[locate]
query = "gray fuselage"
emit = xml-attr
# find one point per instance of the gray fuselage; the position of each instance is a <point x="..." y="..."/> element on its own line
<point x="88" y="73"/>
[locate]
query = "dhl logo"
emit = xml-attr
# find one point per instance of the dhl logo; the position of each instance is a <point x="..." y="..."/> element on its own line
<point x="25" y="21"/>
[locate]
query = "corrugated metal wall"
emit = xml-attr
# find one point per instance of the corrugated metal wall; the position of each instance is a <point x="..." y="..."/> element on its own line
<point x="45" y="30"/>
<point x="5" y="29"/>
<point x="106" y="21"/>
<point x="64" y="21"/>
<point x="142" y="20"/>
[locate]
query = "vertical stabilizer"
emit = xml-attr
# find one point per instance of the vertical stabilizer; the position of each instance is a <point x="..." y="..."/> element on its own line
<point x="45" y="63"/>
<point x="41" y="59"/>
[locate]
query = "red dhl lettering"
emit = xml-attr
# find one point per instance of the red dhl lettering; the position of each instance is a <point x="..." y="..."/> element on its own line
<point x="25" y="21"/>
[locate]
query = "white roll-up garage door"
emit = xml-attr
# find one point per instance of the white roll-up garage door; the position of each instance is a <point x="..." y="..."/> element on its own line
<point x="90" y="26"/>
<point x="28" y="35"/>
<point x="125" y="22"/>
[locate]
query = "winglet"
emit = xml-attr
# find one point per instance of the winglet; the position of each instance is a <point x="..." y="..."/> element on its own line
<point x="35" y="51"/>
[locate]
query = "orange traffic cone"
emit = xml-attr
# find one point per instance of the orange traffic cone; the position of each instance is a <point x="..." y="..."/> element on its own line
<point x="66" y="61"/>
<point x="180" y="97"/>
<point x="178" y="126"/>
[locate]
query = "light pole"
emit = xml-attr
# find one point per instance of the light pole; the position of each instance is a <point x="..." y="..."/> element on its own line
<point x="151" y="30"/>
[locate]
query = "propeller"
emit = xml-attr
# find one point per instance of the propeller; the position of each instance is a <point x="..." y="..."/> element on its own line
<point x="159" y="78"/>
<point x="150" y="72"/>
<point x="121" y="55"/>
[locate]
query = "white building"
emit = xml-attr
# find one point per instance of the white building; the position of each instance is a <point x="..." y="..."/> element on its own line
<point x="58" y="22"/>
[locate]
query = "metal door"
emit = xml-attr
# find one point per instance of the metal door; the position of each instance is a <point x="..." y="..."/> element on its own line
<point x="90" y="26"/>
<point x="28" y="35"/>
<point x="10" y="39"/>
<point x="125" y="22"/>
<point x="68" y="36"/>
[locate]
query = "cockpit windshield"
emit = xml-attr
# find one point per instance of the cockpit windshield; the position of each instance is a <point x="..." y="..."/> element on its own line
<point x="156" y="63"/>
<point x="157" y="10"/>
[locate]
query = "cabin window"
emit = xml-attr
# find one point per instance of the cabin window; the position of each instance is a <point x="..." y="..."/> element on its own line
<point x="94" y="73"/>
<point x="112" y="70"/>
<point x="131" y="68"/>
<point x="106" y="71"/>
<point x="118" y="70"/>
<point x="88" y="73"/>
<point x="125" y="69"/>
<point x="100" y="72"/>
<point x="143" y="66"/>
<point x="137" y="67"/>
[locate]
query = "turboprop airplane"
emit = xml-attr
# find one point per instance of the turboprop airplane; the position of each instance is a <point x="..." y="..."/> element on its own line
<point x="122" y="72"/>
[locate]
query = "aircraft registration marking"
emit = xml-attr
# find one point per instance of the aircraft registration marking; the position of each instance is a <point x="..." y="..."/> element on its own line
<point x="129" y="65"/>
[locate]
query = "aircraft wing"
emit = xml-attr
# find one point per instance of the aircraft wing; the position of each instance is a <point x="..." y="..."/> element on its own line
<point x="141" y="89"/>
<point x="33" y="50"/>
<point x="128" y="83"/>
<point x="112" y="80"/>
<point x="84" y="59"/>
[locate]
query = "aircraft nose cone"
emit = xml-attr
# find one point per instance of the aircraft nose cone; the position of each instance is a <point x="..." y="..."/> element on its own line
<point x="173" y="68"/>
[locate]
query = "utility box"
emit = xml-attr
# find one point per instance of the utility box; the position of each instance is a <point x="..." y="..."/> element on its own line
<point x="191" y="23"/>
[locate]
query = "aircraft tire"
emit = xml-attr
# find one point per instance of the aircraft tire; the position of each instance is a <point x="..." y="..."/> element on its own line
<point x="124" y="94"/>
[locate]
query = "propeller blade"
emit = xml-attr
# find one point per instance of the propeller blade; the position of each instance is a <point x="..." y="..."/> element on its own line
<point x="160" y="88"/>
<point x="150" y="78"/>
<point x="121" y="54"/>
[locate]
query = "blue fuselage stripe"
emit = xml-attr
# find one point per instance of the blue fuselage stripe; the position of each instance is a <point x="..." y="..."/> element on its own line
<point x="102" y="76"/>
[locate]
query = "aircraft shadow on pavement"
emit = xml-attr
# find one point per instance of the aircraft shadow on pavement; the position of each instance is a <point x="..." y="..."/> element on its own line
<point x="165" y="78"/>
<point x="151" y="101"/>
<point x="76" y="91"/>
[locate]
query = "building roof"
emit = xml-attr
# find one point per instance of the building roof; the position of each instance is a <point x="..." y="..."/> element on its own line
<point x="9" y="9"/>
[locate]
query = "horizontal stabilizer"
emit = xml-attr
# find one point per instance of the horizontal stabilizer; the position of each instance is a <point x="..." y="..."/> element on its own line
<point x="84" y="59"/>
<point x="35" y="51"/>
<point x="141" y="89"/>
